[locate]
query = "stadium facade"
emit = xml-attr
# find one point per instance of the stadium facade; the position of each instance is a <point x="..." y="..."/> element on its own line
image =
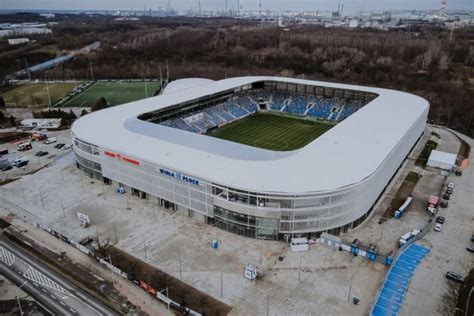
<point x="329" y="185"/>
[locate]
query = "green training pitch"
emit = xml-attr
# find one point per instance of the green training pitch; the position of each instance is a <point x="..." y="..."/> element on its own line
<point x="35" y="95"/>
<point x="114" y="92"/>
<point x="272" y="131"/>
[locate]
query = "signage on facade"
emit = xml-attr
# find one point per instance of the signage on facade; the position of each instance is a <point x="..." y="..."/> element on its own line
<point x="179" y="176"/>
<point x="121" y="158"/>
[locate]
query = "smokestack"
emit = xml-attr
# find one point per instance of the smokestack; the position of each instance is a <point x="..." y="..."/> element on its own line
<point x="442" y="10"/>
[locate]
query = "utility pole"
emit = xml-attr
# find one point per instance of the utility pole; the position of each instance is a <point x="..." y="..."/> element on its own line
<point x="92" y="73"/>
<point x="179" y="263"/>
<point x="268" y="304"/>
<point x="28" y="70"/>
<point x="167" y="71"/>
<point x="62" y="206"/>
<point x="49" y="96"/>
<point x="144" y="247"/>
<point x="161" y="79"/>
<point x="41" y="197"/>
<point x="146" y="90"/>
<point x="299" y="269"/>
<point x="222" y="291"/>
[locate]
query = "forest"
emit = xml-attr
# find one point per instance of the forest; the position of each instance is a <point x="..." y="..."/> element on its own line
<point x="436" y="64"/>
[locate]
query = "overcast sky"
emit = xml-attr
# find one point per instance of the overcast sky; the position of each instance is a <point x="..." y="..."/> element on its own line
<point x="349" y="6"/>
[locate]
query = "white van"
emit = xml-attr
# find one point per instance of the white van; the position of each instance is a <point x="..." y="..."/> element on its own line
<point x="50" y="140"/>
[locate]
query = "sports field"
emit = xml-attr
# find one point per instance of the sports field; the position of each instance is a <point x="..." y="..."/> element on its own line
<point x="272" y="131"/>
<point x="35" y="95"/>
<point x="114" y="92"/>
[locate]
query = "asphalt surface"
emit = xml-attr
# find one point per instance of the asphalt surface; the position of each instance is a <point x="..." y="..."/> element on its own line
<point x="57" y="295"/>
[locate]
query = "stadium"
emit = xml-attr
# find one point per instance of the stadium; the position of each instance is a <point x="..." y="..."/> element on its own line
<point x="262" y="157"/>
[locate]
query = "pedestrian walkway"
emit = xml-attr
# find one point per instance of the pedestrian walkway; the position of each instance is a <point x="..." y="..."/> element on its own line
<point x="391" y="295"/>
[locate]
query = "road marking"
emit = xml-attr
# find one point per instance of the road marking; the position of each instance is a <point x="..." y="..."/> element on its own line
<point x="62" y="303"/>
<point x="6" y="256"/>
<point x="36" y="276"/>
<point x="52" y="296"/>
<point x="72" y="310"/>
<point x="44" y="290"/>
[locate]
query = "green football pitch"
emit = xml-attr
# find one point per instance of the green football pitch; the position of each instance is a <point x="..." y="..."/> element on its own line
<point x="114" y="92"/>
<point x="35" y="95"/>
<point x="272" y="131"/>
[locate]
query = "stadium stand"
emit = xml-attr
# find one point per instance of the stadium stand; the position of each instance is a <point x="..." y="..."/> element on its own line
<point x="245" y="103"/>
<point x="235" y="110"/>
<point x="277" y="100"/>
<point x="298" y="104"/>
<point x="248" y="104"/>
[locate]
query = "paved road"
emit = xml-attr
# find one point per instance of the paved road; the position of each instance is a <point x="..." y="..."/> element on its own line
<point x="58" y="295"/>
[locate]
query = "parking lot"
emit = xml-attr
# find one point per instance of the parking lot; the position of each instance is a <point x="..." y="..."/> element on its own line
<point x="320" y="281"/>
<point x="35" y="162"/>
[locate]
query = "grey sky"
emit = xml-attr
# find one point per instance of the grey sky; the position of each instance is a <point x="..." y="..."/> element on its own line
<point x="349" y="6"/>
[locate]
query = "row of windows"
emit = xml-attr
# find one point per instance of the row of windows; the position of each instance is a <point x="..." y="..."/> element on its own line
<point x="90" y="149"/>
<point x="88" y="163"/>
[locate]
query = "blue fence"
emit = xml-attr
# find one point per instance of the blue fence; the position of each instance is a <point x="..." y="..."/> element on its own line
<point x="392" y="293"/>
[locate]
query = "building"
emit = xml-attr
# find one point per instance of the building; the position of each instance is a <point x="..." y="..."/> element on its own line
<point x="53" y="123"/>
<point x="329" y="185"/>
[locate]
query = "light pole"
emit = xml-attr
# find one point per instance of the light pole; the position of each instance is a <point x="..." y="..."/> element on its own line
<point x="350" y="286"/>
<point x="144" y="246"/>
<point x="299" y="269"/>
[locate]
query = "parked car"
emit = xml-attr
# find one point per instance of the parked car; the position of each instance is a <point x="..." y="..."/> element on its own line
<point x="41" y="153"/>
<point x="440" y="219"/>
<point x="472" y="237"/>
<point x="438" y="227"/>
<point x="7" y="167"/>
<point x="470" y="248"/>
<point x="22" y="163"/>
<point x="450" y="185"/>
<point x="455" y="276"/>
<point x="444" y="203"/>
<point x="60" y="146"/>
<point x="449" y="190"/>
<point x="446" y="196"/>
<point x="50" y="140"/>
<point x="66" y="147"/>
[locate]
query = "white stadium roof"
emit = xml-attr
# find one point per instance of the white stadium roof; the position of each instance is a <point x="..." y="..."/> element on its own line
<point x="346" y="154"/>
<point x="182" y="84"/>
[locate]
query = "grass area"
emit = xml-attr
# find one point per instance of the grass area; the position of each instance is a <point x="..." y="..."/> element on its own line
<point x="405" y="190"/>
<point x="422" y="159"/>
<point x="272" y="131"/>
<point x="53" y="48"/>
<point x="35" y="95"/>
<point x="114" y="92"/>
